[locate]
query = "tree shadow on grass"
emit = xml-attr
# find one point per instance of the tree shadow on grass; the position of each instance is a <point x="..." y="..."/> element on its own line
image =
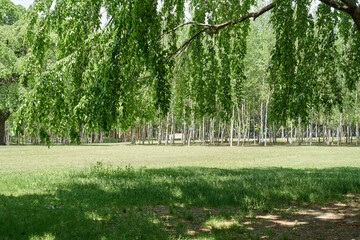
<point x="110" y="203"/>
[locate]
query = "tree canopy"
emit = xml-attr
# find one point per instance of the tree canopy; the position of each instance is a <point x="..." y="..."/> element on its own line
<point x="9" y="12"/>
<point x="107" y="74"/>
<point x="11" y="53"/>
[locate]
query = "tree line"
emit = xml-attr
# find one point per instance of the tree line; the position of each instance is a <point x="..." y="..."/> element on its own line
<point x="289" y="76"/>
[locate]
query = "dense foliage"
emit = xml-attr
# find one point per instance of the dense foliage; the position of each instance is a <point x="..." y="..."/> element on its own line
<point x="139" y="66"/>
<point x="11" y="53"/>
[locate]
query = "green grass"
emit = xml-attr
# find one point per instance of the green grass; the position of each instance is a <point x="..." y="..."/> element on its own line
<point x="91" y="192"/>
<point x="35" y="158"/>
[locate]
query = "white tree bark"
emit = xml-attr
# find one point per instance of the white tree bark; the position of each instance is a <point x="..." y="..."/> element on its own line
<point x="333" y="131"/>
<point x="311" y="133"/>
<point x="143" y="132"/>
<point x="172" y="129"/>
<point x="254" y="133"/>
<point x="357" y="131"/>
<point x="307" y="135"/>
<point x="191" y="127"/>
<point x="291" y="133"/>
<point x="203" y="131"/>
<point x="149" y="133"/>
<point x="184" y="129"/>
<point x="167" y="130"/>
<point x="324" y="131"/>
<point x="221" y="128"/>
<point x="159" y="131"/>
<point x="212" y="130"/>
<point x="261" y="124"/>
<point x="239" y="127"/>
<point x="357" y="121"/>
<point x="299" y="131"/>
<point x="133" y="136"/>
<point x="340" y="130"/>
<point x="219" y="132"/>
<point x="244" y="124"/>
<point x="266" y="118"/>
<point x="232" y="127"/>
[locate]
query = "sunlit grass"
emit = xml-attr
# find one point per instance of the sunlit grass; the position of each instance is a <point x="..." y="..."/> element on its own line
<point x="35" y="158"/>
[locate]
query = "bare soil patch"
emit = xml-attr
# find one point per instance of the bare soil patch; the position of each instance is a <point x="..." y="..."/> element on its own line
<point x="330" y="221"/>
<point x="340" y="220"/>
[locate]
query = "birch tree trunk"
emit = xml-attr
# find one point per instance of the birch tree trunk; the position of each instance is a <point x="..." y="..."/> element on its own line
<point x="319" y="133"/>
<point x="199" y="133"/>
<point x="192" y="131"/>
<point x="184" y="133"/>
<point x="261" y="124"/>
<point x="222" y="127"/>
<point x="340" y="128"/>
<point x="212" y="130"/>
<point x="159" y="131"/>
<point x="311" y="133"/>
<point x="189" y="136"/>
<point x="324" y="131"/>
<point x="348" y="140"/>
<point x="219" y="132"/>
<point x="183" y="136"/>
<point x="266" y="118"/>
<point x="143" y="132"/>
<point x="291" y="132"/>
<point x="239" y="126"/>
<point x="172" y="129"/>
<point x="167" y="130"/>
<point x="133" y="138"/>
<point x="296" y="133"/>
<point x="192" y="125"/>
<point x="265" y="141"/>
<point x="254" y="132"/>
<point x="357" y="121"/>
<point x="351" y="135"/>
<point x="244" y="125"/>
<point x="248" y="128"/>
<point x="357" y="131"/>
<point x="307" y="135"/>
<point x="203" y="131"/>
<point x="333" y="131"/>
<point x="148" y="135"/>
<point x="232" y="127"/>
<point x="299" y="131"/>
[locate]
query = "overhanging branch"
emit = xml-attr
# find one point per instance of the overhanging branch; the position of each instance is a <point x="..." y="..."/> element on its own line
<point x="210" y="29"/>
<point x="348" y="6"/>
<point x="337" y="5"/>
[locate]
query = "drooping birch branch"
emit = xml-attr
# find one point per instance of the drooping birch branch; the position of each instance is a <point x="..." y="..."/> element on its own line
<point x="348" y="6"/>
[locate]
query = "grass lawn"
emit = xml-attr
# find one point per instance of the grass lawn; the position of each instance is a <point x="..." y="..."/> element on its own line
<point x="148" y="192"/>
